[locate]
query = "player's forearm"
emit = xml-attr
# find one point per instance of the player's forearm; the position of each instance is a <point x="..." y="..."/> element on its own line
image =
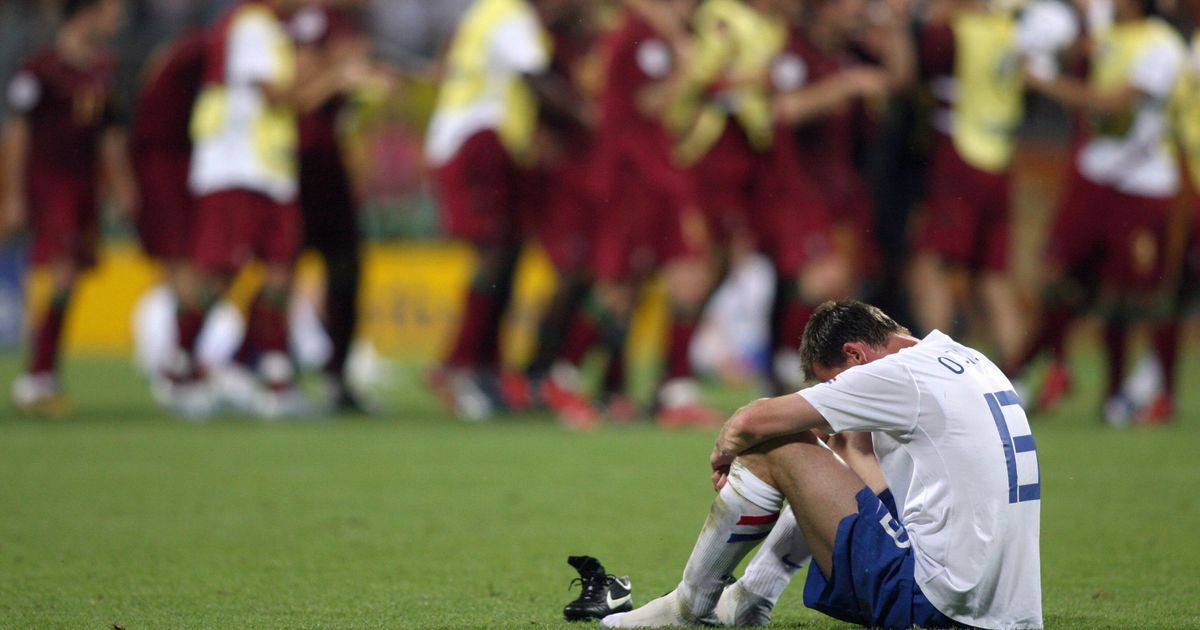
<point x="900" y="58"/>
<point x="15" y="157"/>
<point x="1078" y="94"/>
<point x="766" y="419"/>
<point x="812" y="102"/>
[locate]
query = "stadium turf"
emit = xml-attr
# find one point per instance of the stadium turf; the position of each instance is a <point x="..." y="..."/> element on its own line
<point x="122" y="517"/>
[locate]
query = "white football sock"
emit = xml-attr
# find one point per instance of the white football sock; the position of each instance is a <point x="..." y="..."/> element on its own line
<point x="782" y="555"/>
<point x="740" y="517"/>
<point x="749" y="601"/>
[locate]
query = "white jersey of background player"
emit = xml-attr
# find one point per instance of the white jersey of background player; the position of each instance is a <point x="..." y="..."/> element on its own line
<point x="953" y="449"/>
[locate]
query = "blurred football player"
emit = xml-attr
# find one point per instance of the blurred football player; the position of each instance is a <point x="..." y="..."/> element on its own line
<point x="330" y="43"/>
<point x="972" y="56"/>
<point x="567" y="216"/>
<point x="652" y="218"/>
<point x="481" y="144"/>
<point x="244" y="174"/>
<point x="720" y="115"/>
<point x="821" y="81"/>
<point x="1184" y="266"/>
<point x="61" y="140"/>
<point x="1111" y="231"/>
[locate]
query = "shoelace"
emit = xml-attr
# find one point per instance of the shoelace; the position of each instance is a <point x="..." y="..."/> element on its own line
<point x="591" y="584"/>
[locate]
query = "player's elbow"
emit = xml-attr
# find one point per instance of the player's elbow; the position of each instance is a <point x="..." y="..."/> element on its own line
<point x="746" y="422"/>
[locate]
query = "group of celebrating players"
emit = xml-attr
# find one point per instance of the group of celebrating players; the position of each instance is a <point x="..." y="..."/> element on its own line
<point x="666" y="136"/>
<point x="233" y="155"/>
<point x="631" y="139"/>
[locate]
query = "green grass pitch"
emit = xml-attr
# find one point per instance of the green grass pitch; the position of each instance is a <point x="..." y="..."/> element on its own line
<point x="122" y="517"/>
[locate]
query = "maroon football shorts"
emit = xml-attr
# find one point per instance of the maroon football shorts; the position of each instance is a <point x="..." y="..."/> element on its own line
<point x="792" y="222"/>
<point x="236" y="226"/>
<point x="64" y="219"/>
<point x="724" y="180"/>
<point x="643" y="226"/>
<point x="480" y="192"/>
<point x="967" y="214"/>
<point x="1122" y="235"/>
<point x="167" y="215"/>
<point x="566" y="213"/>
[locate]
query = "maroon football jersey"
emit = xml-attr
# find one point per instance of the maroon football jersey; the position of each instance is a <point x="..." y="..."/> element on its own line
<point x="67" y="108"/>
<point x="635" y="57"/>
<point x="164" y="105"/>
<point x="825" y="147"/>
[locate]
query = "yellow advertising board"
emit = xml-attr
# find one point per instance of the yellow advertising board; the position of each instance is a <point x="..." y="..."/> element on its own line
<point x="411" y="298"/>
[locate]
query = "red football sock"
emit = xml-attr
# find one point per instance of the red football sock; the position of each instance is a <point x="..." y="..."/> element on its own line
<point x="189" y="322"/>
<point x="584" y="333"/>
<point x="47" y="338"/>
<point x="679" y="342"/>
<point x="1051" y="336"/>
<point x="614" y="375"/>
<point x="1116" y="344"/>
<point x="477" y="312"/>
<point x="266" y="327"/>
<point x="1166" y="348"/>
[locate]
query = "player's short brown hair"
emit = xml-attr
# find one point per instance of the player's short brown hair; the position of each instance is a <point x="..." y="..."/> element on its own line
<point x="834" y="324"/>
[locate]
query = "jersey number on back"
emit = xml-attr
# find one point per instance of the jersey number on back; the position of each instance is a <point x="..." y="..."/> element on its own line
<point x="1015" y="445"/>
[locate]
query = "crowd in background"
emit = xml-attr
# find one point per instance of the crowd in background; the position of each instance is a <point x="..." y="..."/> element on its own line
<point x="860" y="147"/>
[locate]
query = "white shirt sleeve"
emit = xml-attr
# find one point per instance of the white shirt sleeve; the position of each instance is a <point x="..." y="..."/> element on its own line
<point x="878" y="396"/>
<point x="1156" y="70"/>
<point x="517" y="46"/>
<point x="252" y="55"/>
<point x="24" y="92"/>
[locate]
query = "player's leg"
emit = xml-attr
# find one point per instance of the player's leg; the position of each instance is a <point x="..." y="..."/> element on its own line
<point x="65" y="227"/>
<point x="932" y="292"/>
<point x="38" y="391"/>
<point x="794" y="229"/>
<point x="1066" y="288"/>
<point x="565" y="222"/>
<point x="819" y="487"/>
<point x="343" y="272"/>
<point x="277" y="238"/>
<point x="478" y="189"/>
<point x="750" y="600"/>
<point x="331" y="228"/>
<point x="997" y="288"/>
<point x="689" y="266"/>
<point x="952" y="235"/>
<point x="689" y="283"/>
<point x="1166" y="335"/>
<point x="1134" y="289"/>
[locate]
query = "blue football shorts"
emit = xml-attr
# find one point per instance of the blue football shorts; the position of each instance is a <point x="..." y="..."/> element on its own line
<point x="873" y="583"/>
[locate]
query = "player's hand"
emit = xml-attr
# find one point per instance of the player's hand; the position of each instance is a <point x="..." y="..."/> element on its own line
<point x="720" y="463"/>
<point x="867" y="83"/>
<point x="13" y="214"/>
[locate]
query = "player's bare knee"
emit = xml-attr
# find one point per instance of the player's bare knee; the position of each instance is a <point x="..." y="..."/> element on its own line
<point x="776" y="457"/>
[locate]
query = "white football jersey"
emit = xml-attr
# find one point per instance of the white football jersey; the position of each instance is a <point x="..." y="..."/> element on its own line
<point x="496" y="53"/>
<point x="958" y="455"/>
<point x="241" y="141"/>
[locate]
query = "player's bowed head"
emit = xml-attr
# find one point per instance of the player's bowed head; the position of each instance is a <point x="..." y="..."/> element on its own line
<point x="840" y="335"/>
